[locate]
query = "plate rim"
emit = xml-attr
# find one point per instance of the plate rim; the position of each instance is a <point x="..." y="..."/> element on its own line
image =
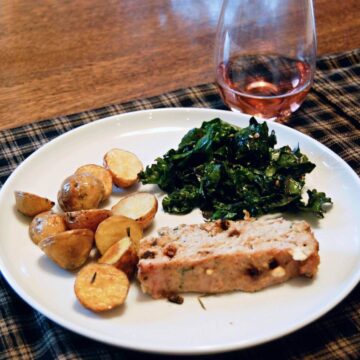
<point x="165" y="350"/>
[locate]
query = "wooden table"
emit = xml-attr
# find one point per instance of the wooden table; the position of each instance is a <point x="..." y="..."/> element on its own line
<point x="61" y="57"/>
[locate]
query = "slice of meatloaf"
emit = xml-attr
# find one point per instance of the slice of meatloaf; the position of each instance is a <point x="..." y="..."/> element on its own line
<point x="223" y="256"/>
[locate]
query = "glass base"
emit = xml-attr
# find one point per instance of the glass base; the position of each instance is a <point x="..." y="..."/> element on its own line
<point x="259" y="116"/>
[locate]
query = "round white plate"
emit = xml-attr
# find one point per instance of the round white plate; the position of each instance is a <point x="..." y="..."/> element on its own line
<point x="230" y="321"/>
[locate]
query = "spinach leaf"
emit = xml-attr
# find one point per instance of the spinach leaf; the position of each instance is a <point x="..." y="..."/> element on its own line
<point x="316" y="203"/>
<point x="182" y="201"/>
<point x="224" y="169"/>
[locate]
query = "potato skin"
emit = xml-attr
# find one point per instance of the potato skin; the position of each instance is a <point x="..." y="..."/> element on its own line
<point x="80" y="192"/>
<point x="128" y="263"/>
<point x="30" y="204"/>
<point x="122" y="255"/>
<point x="86" y="219"/>
<point x="46" y="224"/>
<point x="69" y="249"/>
<point x="100" y="173"/>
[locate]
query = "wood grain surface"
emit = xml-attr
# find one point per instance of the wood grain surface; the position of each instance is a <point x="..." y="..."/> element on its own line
<point x="60" y="56"/>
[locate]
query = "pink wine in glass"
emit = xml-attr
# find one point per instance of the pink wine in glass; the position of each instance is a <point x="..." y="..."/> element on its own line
<point x="267" y="86"/>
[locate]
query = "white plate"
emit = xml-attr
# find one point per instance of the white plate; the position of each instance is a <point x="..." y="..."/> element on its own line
<point x="230" y="321"/>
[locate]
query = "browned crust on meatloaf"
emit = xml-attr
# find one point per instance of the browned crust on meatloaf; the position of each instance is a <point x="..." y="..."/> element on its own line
<point x="223" y="256"/>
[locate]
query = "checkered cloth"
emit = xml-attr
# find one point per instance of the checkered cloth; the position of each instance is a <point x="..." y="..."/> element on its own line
<point x="330" y="114"/>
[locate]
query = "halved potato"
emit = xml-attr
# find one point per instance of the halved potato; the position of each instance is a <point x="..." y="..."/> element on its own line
<point x="124" y="167"/>
<point x="115" y="228"/>
<point x="141" y="207"/>
<point x="46" y="224"/>
<point x="86" y="219"/>
<point x="122" y="255"/>
<point x="80" y="192"/>
<point x="101" y="287"/>
<point x="30" y="204"/>
<point x="69" y="249"/>
<point x="100" y="173"/>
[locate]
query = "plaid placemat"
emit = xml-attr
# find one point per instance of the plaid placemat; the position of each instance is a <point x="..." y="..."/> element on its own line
<point x="330" y="114"/>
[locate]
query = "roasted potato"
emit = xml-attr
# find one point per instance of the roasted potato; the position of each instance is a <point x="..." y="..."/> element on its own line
<point x="115" y="228"/>
<point x="30" y="204"/>
<point x="86" y="219"/>
<point x="100" y="173"/>
<point x="80" y="192"/>
<point x="101" y="287"/>
<point x="69" y="249"/>
<point x="122" y="255"/>
<point x="124" y="167"/>
<point x="46" y="224"/>
<point x="141" y="207"/>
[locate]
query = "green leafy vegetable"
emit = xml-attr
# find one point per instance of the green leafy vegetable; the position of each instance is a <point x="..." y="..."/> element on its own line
<point x="224" y="170"/>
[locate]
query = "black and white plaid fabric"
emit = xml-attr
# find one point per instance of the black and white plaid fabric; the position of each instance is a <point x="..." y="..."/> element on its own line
<point x="330" y="114"/>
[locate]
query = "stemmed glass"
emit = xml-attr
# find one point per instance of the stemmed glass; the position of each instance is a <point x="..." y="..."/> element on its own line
<point x="265" y="55"/>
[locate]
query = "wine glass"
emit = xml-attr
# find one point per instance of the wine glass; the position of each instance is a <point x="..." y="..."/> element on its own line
<point x="265" y="54"/>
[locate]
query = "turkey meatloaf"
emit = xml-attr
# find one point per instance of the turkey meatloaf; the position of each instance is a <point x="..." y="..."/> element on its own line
<point x="223" y="256"/>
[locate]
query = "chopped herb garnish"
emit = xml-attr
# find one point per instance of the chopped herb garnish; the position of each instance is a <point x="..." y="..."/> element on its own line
<point x="223" y="170"/>
<point x="93" y="278"/>
<point x="201" y="303"/>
